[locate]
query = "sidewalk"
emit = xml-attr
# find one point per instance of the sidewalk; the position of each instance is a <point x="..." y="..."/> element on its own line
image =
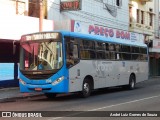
<point x="8" y="93"/>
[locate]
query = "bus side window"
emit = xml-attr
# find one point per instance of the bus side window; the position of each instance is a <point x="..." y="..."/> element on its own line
<point x="107" y="55"/>
<point x="143" y="54"/>
<point x="107" y="46"/>
<point x="81" y="44"/>
<point x="85" y="44"/>
<point x="75" y="52"/>
<point x="112" y="51"/>
<point x="100" y="50"/>
<point x="72" y="54"/>
<point x="107" y="51"/>
<point x="117" y="47"/>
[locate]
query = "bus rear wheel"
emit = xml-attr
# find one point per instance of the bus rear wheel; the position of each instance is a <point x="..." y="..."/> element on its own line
<point x="50" y="95"/>
<point x="132" y="82"/>
<point x="86" y="88"/>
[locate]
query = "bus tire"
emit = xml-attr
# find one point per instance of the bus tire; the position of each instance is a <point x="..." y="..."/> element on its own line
<point x="132" y="82"/>
<point x="50" y="95"/>
<point x="86" y="88"/>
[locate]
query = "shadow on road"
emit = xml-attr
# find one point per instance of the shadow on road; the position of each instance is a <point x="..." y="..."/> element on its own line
<point x="77" y="96"/>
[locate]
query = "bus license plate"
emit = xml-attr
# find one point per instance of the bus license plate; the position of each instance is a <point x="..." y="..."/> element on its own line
<point x="38" y="89"/>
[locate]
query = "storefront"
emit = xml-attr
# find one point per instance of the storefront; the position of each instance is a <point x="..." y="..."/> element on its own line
<point x="12" y="27"/>
<point x="154" y="55"/>
<point x="9" y="58"/>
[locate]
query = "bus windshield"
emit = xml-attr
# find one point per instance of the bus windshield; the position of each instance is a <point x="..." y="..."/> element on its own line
<point x="42" y="55"/>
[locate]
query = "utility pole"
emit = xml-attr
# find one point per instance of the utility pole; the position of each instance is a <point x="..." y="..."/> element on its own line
<point x="158" y="20"/>
<point x="40" y="15"/>
<point x="16" y="7"/>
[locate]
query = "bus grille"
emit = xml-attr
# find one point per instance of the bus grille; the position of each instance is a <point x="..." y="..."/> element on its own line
<point x="37" y="77"/>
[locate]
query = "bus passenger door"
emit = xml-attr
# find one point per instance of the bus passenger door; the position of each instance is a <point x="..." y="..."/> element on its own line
<point x="72" y="60"/>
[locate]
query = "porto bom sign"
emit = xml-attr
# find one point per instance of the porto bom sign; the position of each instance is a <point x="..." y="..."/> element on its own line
<point x="108" y="32"/>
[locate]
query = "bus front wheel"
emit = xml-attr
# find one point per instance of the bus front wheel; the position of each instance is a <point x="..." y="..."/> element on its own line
<point x="86" y="88"/>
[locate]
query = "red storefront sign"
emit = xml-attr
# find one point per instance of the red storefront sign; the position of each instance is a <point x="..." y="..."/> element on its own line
<point x="70" y="5"/>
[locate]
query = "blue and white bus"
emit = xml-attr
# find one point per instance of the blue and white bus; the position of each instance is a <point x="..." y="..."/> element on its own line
<point x="63" y="62"/>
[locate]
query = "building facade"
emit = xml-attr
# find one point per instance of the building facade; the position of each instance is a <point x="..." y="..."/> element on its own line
<point x="141" y="17"/>
<point x="109" y="18"/>
<point x="154" y="47"/>
<point x="18" y="17"/>
<point x="144" y="17"/>
<point x="97" y="12"/>
<point x="21" y="17"/>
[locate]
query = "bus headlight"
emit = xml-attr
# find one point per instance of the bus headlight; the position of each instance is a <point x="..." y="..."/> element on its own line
<point x="58" y="80"/>
<point x="21" y="81"/>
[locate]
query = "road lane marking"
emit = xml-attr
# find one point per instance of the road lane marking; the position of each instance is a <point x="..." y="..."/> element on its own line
<point x="124" y="103"/>
<point x="133" y="101"/>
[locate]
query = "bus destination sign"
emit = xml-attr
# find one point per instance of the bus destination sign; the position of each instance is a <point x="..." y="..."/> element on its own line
<point x="40" y="36"/>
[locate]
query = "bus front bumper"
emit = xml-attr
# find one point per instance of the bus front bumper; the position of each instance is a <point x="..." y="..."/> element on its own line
<point x="48" y="88"/>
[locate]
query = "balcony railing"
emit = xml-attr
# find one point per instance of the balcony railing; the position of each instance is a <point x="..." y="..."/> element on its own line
<point x="146" y="0"/>
<point x="141" y="28"/>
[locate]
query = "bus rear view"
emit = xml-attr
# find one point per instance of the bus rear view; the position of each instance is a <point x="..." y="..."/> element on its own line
<point x="41" y="64"/>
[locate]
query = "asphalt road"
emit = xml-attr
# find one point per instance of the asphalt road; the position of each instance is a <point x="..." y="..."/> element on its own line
<point x="145" y="98"/>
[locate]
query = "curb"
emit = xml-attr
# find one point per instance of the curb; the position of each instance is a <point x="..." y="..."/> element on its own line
<point x="15" y="95"/>
<point x="12" y="99"/>
<point x="7" y="89"/>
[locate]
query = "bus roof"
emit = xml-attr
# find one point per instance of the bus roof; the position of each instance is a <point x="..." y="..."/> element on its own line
<point x="101" y="38"/>
<point x="95" y="37"/>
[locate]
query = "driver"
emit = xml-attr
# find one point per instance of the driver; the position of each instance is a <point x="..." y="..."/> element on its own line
<point x="70" y="59"/>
